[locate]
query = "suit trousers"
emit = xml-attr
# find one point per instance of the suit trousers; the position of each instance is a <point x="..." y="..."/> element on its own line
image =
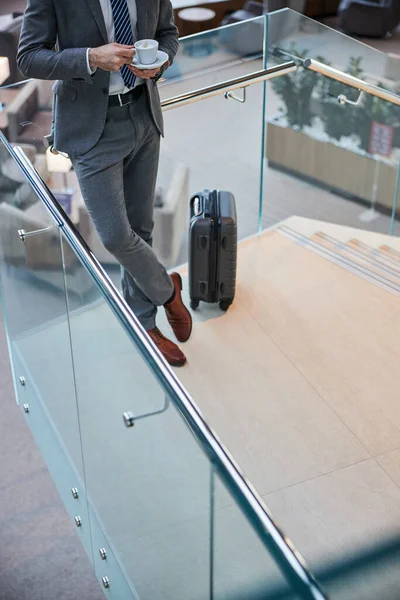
<point x="117" y="179"/>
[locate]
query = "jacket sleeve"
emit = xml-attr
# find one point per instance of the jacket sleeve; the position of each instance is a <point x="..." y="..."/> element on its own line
<point x="37" y="57"/>
<point x="167" y="33"/>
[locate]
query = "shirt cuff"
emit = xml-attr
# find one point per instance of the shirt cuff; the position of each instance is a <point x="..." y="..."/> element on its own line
<point x="90" y="70"/>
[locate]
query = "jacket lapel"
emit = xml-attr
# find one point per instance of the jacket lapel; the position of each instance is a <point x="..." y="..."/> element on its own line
<point x="95" y="7"/>
<point x="141" y="7"/>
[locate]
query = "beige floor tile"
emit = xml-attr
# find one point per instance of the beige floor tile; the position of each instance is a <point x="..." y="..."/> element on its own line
<point x="277" y="427"/>
<point x="175" y="562"/>
<point x="340" y="331"/>
<point x="339" y="514"/>
<point x="375" y="581"/>
<point x="390" y="462"/>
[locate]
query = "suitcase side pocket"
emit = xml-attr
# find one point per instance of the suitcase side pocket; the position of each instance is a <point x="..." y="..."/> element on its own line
<point x="199" y="267"/>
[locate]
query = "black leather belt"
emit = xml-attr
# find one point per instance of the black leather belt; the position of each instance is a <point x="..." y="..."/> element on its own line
<point x="124" y="99"/>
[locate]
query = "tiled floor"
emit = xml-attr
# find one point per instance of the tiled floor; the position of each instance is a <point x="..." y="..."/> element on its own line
<point x="281" y="436"/>
<point x="329" y="515"/>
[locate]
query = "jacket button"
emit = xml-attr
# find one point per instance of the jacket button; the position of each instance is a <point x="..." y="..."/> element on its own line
<point x="105" y="91"/>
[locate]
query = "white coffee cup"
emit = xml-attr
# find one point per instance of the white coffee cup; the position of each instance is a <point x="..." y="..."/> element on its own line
<point x="146" y="51"/>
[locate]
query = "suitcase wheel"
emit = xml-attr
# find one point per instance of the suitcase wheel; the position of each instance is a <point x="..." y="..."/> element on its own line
<point x="225" y="304"/>
<point x="194" y="304"/>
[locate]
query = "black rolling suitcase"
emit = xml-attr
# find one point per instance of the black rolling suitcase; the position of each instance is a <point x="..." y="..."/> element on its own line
<point x="212" y="248"/>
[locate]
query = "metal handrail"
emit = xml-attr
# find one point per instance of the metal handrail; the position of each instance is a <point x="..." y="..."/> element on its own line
<point x="230" y="85"/>
<point x="226" y="87"/>
<point x="286" y="556"/>
<point x="350" y="80"/>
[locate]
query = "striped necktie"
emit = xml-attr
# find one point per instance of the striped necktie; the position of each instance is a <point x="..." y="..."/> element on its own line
<point x="123" y="35"/>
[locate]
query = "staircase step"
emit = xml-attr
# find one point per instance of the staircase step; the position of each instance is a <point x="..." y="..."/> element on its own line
<point x="344" y="256"/>
<point x="322" y="238"/>
<point x="357" y="258"/>
<point x="390" y="252"/>
<point x="375" y="254"/>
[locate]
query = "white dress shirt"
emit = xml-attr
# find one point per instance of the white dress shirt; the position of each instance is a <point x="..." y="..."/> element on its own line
<point x="117" y="85"/>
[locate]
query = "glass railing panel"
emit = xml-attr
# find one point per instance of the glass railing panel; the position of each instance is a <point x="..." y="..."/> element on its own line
<point x="395" y="221"/>
<point x="35" y="311"/>
<point x="125" y="467"/>
<point x="241" y="569"/>
<point x="216" y="143"/>
<point x="108" y="567"/>
<point x="26" y="113"/>
<point x="370" y="573"/>
<point x="149" y="484"/>
<point x="326" y="160"/>
<point x="366" y="575"/>
<point x="213" y="144"/>
<point x="215" y="56"/>
<point x="290" y="32"/>
<point x="26" y="121"/>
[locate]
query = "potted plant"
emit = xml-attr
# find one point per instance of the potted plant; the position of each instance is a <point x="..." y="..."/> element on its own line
<point x="296" y="91"/>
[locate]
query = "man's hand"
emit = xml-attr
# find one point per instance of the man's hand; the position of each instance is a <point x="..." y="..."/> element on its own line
<point x="111" y="57"/>
<point x="144" y="73"/>
<point x="147" y="73"/>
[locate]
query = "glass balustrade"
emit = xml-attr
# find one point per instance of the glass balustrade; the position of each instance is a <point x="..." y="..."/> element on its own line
<point x="332" y="150"/>
<point x="149" y="483"/>
<point x="32" y="263"/>
<point x="215" y="56"/>
<point x="219" y="147"/>
<point x="215" y="143"/>
<point x="153" y="494"/>
<point x="162" y="511"/>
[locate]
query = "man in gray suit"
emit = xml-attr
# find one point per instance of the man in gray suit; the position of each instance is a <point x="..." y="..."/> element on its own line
<point x="107" y="117"/>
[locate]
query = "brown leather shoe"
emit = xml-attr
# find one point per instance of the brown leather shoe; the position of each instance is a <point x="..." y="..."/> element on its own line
<point x="178" y="315"/>
<point x="168" y="349"/>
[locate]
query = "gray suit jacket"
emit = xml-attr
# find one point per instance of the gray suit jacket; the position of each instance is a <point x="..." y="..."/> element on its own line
<point x="81" y="99"/>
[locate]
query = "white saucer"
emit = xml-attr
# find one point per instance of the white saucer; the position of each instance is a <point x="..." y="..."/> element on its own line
<point x="162" y="58"/>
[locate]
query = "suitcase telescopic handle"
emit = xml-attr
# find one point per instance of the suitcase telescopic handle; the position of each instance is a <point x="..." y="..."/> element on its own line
<point x="204" y="202"/>
<point x="196" y="206"/>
